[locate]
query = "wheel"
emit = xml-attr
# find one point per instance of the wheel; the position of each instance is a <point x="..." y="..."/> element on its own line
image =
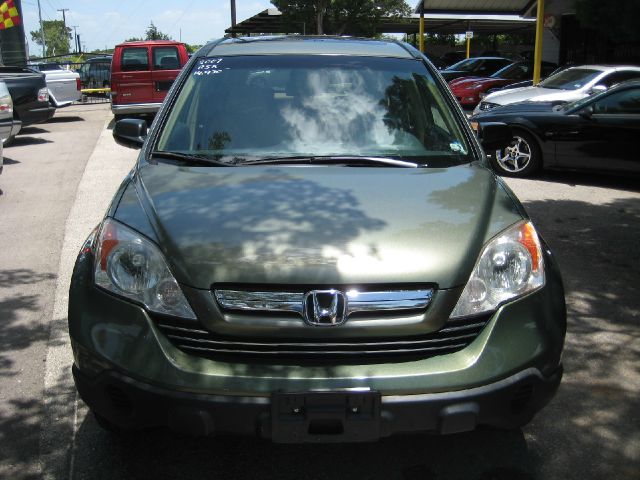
<point x="520" y="159"/>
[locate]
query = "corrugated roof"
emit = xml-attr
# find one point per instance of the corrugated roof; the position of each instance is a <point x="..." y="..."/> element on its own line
<point x="271" y="21"/>
<point x="502" y="7"/>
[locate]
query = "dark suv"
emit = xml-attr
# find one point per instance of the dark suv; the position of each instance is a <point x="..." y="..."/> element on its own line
<point x="311" y="247"/>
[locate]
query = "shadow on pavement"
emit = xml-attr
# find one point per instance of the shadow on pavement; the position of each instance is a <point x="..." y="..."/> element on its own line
<point x="32" y="131"/>
<point x="592" y="428"/>
<point x="65" y="119"/>
<point x="26" y="140"/>
<point x="485" y="454"/>
<point x="9" y="161"/>
<point x="18" y="417"/>
<point x="619" y="182"/>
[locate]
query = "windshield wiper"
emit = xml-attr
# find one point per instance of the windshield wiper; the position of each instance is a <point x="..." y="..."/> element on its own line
<point x="190" y="159"/>
<point x="329" y="159"/>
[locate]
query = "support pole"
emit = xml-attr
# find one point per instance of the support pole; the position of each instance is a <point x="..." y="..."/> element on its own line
<point x="44" y="46"/>
<point x="468" y="42"/>
<point x="233" y="16"/>
<point x="537" y="56"/>
<point x="421" y="32"/>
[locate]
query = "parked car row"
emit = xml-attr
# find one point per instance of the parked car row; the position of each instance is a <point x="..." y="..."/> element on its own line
<point x="598" y="132"/>
<point x="578" y="117"/>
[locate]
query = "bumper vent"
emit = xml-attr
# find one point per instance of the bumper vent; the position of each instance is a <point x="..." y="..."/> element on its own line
<point x="454" y="336"/>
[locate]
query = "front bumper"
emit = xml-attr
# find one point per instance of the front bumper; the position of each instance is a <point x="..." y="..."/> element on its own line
<point x="131" y="404"/>
<point x="116" y="344"/>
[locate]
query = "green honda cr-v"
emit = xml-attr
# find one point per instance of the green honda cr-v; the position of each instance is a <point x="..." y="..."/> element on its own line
<point x="311" y="247"/>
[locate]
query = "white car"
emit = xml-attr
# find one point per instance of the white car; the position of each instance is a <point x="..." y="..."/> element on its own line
<point x="64" y="85"/>
<point x="567" y="85"/>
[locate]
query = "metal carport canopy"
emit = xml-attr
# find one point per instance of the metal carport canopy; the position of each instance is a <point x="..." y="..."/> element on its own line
<point x="488" y="7"/>
<point x="272" y="21"/>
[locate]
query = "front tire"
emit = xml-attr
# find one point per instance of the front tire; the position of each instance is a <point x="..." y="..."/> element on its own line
<point x="522" y="158"/>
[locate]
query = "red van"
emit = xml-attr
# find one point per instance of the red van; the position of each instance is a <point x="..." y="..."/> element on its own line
<point x="142" y="73"/>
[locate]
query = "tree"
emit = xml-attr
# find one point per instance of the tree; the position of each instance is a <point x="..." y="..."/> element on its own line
<point x="620" y="24"/>
<point x="154" y="34"/>
<point x="340" y="17"/>
<point x="56" y="37"/>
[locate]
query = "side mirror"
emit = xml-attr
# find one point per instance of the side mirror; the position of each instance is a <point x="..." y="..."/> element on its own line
<point x="586" y="112"/>
<point x="597" y="89"/>
<point x="494" y="135"/>
<point x="130" y="132"/>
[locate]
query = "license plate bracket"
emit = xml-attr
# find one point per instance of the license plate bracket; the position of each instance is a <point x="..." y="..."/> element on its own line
<point x="325" y="417"/>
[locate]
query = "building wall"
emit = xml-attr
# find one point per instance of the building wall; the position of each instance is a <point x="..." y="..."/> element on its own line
<point x="551" y="37"/>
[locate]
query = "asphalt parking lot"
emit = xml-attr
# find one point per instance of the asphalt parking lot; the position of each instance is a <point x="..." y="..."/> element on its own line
<point x="56" y="184"/>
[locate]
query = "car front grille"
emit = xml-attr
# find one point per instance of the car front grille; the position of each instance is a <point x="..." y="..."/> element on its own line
<point x="454" y="336"/>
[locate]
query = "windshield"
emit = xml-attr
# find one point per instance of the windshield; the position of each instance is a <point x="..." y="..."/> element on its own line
<point x="246" y="108"/>
<point x="571" y="79"/>
<point x="515" y="71"/>
<point x="466" y="65"/>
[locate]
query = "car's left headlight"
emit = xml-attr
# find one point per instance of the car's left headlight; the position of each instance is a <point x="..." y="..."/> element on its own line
<point x="510" y="266"/>
<point x="129" y="265"/>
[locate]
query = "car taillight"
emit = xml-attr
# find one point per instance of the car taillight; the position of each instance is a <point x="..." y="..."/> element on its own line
<point x="6" y="104"/>
<point x="78" y="84"/>
<point x="43" y="95"/>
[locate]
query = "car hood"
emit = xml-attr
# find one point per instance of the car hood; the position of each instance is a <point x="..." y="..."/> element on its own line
<point x="534" y="94"/>
<point x="318" y="225"/>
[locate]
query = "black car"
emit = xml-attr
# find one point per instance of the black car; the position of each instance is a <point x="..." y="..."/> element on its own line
<point x="597" y="133"/>
<point x="475" y="67"/>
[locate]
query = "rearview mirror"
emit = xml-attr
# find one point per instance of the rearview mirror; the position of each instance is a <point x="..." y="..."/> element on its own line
<point x="130" y="132"/>
<point x="494" y="135"/>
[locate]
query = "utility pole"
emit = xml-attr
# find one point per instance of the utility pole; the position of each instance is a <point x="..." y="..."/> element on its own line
<point x="44" y="46"/>
<point x="233" y="16"/>
<point x="64" y="18"/>
<point x="75" y="37"/>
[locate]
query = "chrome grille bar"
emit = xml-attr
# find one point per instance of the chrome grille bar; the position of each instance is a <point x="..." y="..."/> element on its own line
<point x="381" y="301"/>
<point x="260" y="301"/>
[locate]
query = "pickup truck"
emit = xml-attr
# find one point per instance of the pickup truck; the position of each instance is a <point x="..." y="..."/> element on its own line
<point x="30" y="96"/>
<point x="64" y="85"/>
<point x="7" y="123"/>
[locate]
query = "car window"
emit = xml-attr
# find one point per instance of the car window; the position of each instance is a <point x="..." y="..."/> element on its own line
<point x="492" y="65"/>
<point x="166" y="58"/>
<point x="625" y="102"/>
<point x="618" y="77"/>
<point x="241" y="107"/>
<point x="571" y="79"/>
<point x="134" y="59"/>
<point x="515" y="71"/>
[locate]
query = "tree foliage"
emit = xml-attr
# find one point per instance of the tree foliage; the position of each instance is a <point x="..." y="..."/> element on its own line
<point x="56" y="37"/>
<point x="339" y="17"/>
<point x="618" y="23"/>
<point x="154" y="34"/>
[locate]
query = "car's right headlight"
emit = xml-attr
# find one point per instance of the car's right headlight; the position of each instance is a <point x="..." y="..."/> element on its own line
<point x="510" y="266"/>
<point x="129" y="265"/>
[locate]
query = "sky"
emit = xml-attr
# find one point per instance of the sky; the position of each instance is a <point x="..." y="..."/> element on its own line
<point x="105" y="23"/>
